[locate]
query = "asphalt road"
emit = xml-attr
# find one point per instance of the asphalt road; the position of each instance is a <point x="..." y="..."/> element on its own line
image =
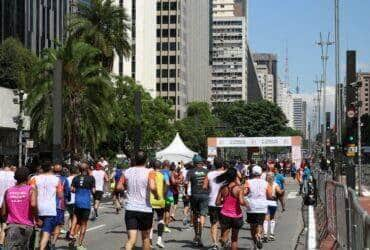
<point x="108" y="231"/>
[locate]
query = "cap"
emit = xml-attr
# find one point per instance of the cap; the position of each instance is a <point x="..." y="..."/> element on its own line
<point x="197" y="159"/>
<point x="256" y="170"/>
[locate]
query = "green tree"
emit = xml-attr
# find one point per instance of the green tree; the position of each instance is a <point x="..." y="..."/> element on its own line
<point x="157" y="130"/>
<point x="16" y="64"/>
<point x="198" y="126"/>
<point x="105" y="26"/>
<point x="261" y="118"/>
<point x="87" y="97"/>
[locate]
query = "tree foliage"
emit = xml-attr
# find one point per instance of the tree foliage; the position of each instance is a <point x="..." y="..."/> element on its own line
<point x="104" y="25"/>
<point x="261" y="118"/>
<point x="87" y="97"/>
<point x="16" y="64"/>
<point x="157" y="130"/>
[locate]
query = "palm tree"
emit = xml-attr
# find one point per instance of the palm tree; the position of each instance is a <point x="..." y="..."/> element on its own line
<point x="103" y="25"/>
<point x="87" y="97"/>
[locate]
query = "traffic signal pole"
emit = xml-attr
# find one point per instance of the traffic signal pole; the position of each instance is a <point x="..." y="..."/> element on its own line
<point x="359" y="147"/>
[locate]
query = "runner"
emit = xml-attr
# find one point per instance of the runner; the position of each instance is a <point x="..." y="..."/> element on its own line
<point x="6" y="181"/>
<point x="101" y="178"/>
<point x="231" y="197"/>
<point x="214" y="187"/>
<point x="176" y="179"/>
<point x="61" y="202"/>
<point x="71" y="203"/>
<point x="116" y="193"/>
<point x="199" y="198"/>
<point x="269" y="223"/>
<point x="83" y="186"/>
<point x="139" y="213"/>
<point x="280" y="180"/>
<point x="169" y="195"/>
<point x="258" y="192"/>
<point x="187" y="194"/>
<point x="48" y="188"/>
<point x="158" y="204"/>
<point x="20" y="208"/>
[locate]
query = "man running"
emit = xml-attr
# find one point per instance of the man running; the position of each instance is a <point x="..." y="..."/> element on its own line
<point x="48" y="188"/>
<point x="116" y="194"/>
<point x="187" y="194"/>
<point x="169" y="195"/>
<point x="199" y="197"/>
<point x="83" y="186"/>
<point x="6" y="181"/>
<point x="214" y="187"/>
<point x="139" y="213"/>
<point x="71" y="203"/>
<point x="101" y="178"/>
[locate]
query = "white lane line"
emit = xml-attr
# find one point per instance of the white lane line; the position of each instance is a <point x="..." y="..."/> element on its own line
<point x="94" y="228"/>
<point x="311" y="229"/>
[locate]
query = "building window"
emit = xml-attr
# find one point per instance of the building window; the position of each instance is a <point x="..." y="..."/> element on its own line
<point x="173" y="19"/>
<point x="158" y="73"/>
<point x="173" y="73"/>
<point x="173" y="33"/>
<point x="158" y="46"/>
<point x="159" y="20"/>
<point x="165" y="6"/>
<point x="173" y="100"/>
<point x="158" y="60"/>
<point x="158" y="33"/>
<point x="165" y="33"/>
<point x="164" y="19"/>
<point x="159" y="6"/>
<point x="164" y="46"/>
<point x="172" y="46"/>
<point x="158" y="87"/>
<point x="173" y="86"/>
<point x="164" y="72"/>
<point x="172" y="59"/>
<point x="173" y="6"/>
<point x="164" y="59"/>
<point x="178" y="114"/>
<point x="164" y="87"/>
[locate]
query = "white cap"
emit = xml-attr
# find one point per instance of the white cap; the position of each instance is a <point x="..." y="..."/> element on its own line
<point x="256" y="170"/>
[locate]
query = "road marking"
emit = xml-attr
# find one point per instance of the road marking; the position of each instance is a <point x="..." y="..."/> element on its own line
<point x="311" y="229"/>
<point x="94" y="228"/>
<point x="292" y="195"/>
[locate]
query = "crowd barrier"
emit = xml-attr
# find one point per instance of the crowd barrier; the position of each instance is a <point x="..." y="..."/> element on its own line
<point x="340" y="215"/>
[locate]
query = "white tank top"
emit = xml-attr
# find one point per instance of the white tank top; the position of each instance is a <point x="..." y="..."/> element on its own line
<point x="46" y="186"/>
<point x="6" y="181"/>
<point x="99" y="179"/>
<point x="257" y="196"/>
<point x="214" y="187"/>
<point x="137" y="189"/>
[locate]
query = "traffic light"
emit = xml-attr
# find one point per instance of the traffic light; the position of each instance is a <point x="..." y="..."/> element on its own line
<point x="327" y="125"/>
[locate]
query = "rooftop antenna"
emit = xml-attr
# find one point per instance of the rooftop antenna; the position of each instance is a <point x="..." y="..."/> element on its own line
<point x="297" y="87"/>
<point x="286" y="65"/>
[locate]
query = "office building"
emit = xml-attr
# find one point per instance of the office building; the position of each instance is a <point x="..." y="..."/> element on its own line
<point x="270" y="61"/>
<point x="304" y="120"/>
<point x="364" y="92"/>
<point x="266" y="81"/>
<point x="229" y="51"/>
<point x="12" y="19"/>
<point x="299" y="108"/>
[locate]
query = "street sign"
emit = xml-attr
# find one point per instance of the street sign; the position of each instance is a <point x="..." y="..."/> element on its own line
<point x="351" y="113"/>
<point x="351" y="150"/>
<point x="29" y="143"/>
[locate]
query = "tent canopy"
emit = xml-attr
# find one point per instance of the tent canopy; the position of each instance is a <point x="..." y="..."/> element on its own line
<point x="177" y="151"/>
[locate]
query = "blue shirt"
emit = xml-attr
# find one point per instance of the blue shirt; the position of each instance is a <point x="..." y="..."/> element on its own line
<point x="83" y="185"/>
<point x="167" y="178"/>
<point x="306" y="173"/>
<point x="61" y="203"/>
<point x="279" y="179"/>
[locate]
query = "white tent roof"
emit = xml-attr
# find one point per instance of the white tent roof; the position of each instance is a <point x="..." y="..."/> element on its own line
<point x="175" y="152"/>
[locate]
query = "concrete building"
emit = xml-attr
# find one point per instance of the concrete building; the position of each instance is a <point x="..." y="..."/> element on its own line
<point x="304" y="120"/>
<point x="266" y="81"/>
<point x="198" y="66"/>
<point x="364" y="92"/>
<point x="270" y="60"/>
<point x="229" y="51"/>
<point x="299" y="107"/>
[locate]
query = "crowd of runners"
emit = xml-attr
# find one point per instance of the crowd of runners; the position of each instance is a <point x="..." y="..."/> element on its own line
<point x="229" y="193"/>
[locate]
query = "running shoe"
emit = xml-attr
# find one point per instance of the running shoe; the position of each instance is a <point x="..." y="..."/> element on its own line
<point x="166" y="230"/>
<point x="185" y="221"/>
<point x="264" y="238"/>
<point x="259" y="243"/>
<point x="160" y="243"/>
<point x="215" y="247"/>
<point x="272" y="237"/>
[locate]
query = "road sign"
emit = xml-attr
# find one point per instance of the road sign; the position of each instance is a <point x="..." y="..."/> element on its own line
<point x="351" y="150"/>
<point x="351" y="113"/>
<point x="29" y="143"/>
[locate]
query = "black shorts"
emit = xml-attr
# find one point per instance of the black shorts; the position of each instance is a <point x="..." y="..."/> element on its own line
<point x="175" y="199"/>
<point x="82" y="213"/>
<point x="138" y="220"/>
<point x="98" y="195"/>
<point x="231" y="223"/>
<point x="199" y="205"/>
<point x="186" y="200"/>
<point x="2" y="219"/>
<point x="214" y="214"/>
<point x="159" y="212"/>
<point x="255" y="218"/>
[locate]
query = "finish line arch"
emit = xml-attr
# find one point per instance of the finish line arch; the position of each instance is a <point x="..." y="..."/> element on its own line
<point x="294" y="142"/>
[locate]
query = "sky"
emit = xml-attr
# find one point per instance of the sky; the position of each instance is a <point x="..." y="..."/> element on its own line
<point x="273" y="24"/>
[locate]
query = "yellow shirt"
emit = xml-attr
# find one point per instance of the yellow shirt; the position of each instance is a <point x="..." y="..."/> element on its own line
<point x="159" y="182"/>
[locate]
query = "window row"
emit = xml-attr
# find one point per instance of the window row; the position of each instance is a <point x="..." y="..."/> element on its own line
<point x="167" y="73"/>
<point x="166" y="32"/>
<point x="165" y="87"/>
<point x="166" y="6"/>
<point x="165" y="60"/>
<point x="165" y="46"/>
<point x="167" y="19"/>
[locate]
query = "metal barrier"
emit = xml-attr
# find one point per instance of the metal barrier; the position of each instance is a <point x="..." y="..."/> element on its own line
<point x="341" y="215"/>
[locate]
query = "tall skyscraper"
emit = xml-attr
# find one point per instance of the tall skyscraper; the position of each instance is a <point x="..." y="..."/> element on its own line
<point x="12" y="19"/>
<point x="229" y="51"/>
<point x="266" y="81"/>
<point x="364" y="92"/>
<point x="299" y="114"/>
<point x="270" y="61"/>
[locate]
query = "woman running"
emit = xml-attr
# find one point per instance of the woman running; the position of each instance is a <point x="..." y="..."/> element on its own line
<point x="231" y="197"/>
<point x="269" y="223"/>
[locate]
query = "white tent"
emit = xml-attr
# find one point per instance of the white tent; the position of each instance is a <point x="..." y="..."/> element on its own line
<point x="177" y="151"/>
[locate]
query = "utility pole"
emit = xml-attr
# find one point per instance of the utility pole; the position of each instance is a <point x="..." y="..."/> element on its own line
<point x="57" y="113"/>
<point x="338" y="90"/>
<point x="137" y="103"/>
<point x="359" y="147"/>
<point x="318" y="86"/>
<point x="324" y="45"/>
<point x="19" y="119"/>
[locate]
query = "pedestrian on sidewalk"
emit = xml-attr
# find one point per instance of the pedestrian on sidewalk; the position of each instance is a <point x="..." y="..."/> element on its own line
<point x="231" y="197"/>
<point x="20" y="209"/>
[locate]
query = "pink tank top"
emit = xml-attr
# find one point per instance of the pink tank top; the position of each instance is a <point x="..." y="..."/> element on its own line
<point x="231" y="207"/>
<point x="18" y="200"/>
